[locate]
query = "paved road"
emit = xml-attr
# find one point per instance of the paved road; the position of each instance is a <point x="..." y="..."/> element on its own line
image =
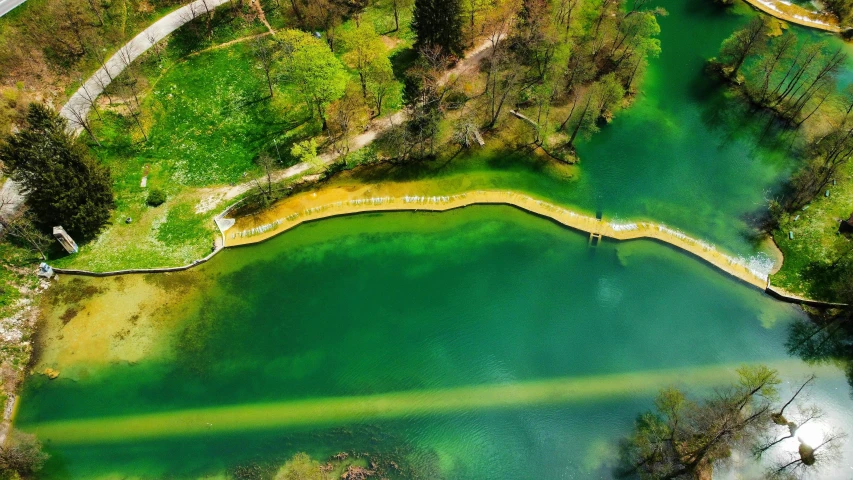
<point x="6" y="6"/>
<point x="80" y="103"/>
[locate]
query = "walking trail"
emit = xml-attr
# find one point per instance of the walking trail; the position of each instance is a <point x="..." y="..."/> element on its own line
<point x="78" y="106"/>
<point x="213" y="197"/>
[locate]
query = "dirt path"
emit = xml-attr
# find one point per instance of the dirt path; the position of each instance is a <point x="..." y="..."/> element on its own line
<point x="214" y="196"/>
<point x="261" y="15"/>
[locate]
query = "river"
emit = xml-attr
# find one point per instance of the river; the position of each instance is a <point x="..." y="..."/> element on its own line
<point x="478" y="343"/>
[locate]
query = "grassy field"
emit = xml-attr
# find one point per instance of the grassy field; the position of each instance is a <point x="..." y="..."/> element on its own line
<point x="816" y="244"/>
<point x="207" y="114"/>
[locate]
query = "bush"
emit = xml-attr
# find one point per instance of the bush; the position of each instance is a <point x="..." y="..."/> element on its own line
<point x="65" y="185"/>
<point x="156" y="197"/>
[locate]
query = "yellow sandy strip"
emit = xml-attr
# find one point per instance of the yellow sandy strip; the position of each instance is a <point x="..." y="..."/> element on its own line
<point x="333" y="202"/>
<point x="796" y="14"/>
<point x="392" y="405"/>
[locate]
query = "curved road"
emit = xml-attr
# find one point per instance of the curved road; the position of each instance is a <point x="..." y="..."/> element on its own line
<point x="80" y="103"/>
<point x="6" y="6"/>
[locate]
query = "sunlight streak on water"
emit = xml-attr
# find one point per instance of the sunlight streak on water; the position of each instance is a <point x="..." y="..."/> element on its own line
<point x="393" y="405"/>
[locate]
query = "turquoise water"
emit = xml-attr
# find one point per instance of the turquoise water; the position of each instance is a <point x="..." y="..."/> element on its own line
<point x="371" y="327"/>
<point x="686" y="153"/>
<point x="427" y="304"/>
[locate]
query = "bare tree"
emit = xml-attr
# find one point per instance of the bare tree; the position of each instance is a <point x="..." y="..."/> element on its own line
<point x="15" y="223"/>
<point x="267" y="164"/>
<point x="155" y="45"/>
<point x="265" y="58"/>
<point x="103" y="86"/>
<point x="93" y="5"/>
<point x="92" y="100"/>
<point x="396" y="7"/>
<point x="345" y="116"/>
<point x="808" y="456"/>
<point x="79" y="118"/>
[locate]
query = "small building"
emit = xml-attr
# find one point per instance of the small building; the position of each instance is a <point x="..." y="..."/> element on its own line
<point x="846" y="226"/>
<point x="65" y="240"/>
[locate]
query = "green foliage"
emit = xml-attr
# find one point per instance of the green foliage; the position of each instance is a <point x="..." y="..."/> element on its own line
<point x="156" y="197"/>
<point x="743" y="43"/>
<point x="682" y="437"/>
<point x="181" y="226"/>
<point x="367" y="55"/>
<point x="63" y="184"/>
<point x="305" y="151"/>
<point x="21" y="457"/>
<point x="438" y="23"/>
<point x="315" y="71"/>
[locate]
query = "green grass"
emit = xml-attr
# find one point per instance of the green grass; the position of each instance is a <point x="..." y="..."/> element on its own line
<point x="816" y="244"/>
<point x="208" y="117"/>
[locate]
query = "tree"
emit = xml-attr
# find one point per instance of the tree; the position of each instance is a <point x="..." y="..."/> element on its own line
<point x="682" y="437"/>
<point x="22" y="455"/>
<point x="267" y="164"/>
<point x="396" y="6"/>
<point x="17" y="225"/>
<point x="438" y="23"/>
<point x="306" y="152"/>
<point x="742" y="43"/>
<point x="314" y="69"/>
<point x="364" y="48"/>
<point x="62" y="183"/>
<point x="264" y="54"/>
<point x="380" y="82"/>
<point x="346" y="115"/>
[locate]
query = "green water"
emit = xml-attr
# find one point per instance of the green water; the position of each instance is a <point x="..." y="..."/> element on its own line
<point x="494" y="343"/>
<point x="481" y="343"/>
<point x="685" y="153"/>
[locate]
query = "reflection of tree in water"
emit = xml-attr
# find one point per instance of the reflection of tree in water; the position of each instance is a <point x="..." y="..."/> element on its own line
<point x="825" y="337"/>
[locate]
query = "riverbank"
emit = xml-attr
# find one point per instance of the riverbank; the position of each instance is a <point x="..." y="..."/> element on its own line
<point x="795" y="14"/>
<point x="307" y="207"/>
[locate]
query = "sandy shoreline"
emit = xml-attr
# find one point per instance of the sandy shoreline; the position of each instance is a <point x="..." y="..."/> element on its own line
<point x="338" y="201"/>
<point x="788" y="13"/>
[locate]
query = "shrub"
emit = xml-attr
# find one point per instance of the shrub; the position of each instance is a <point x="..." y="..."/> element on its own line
<point x="156" y="197"/>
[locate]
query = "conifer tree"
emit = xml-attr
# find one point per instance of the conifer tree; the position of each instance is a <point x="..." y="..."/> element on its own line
<point x="438" y="23"/>
<point x="62" y="183"/>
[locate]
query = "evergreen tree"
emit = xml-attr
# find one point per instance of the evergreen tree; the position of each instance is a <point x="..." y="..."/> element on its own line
<point x="438" y="23"/>
<point x="63" y="184"/>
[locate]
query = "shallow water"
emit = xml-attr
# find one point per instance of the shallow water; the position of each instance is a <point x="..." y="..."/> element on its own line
<point x="494" y="343"/>
<point x="685" y="153"/>
<point x="480" y="343"/>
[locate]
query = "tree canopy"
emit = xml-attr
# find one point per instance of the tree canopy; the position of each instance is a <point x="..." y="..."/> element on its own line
<point x="438" y="23"/>
<point x="684" y="438"/>
<point x="313" y="68"/>
<point x="64" y="186"/>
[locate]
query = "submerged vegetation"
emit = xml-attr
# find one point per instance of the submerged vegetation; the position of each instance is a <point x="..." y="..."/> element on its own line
<point x="472" y="94"/>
